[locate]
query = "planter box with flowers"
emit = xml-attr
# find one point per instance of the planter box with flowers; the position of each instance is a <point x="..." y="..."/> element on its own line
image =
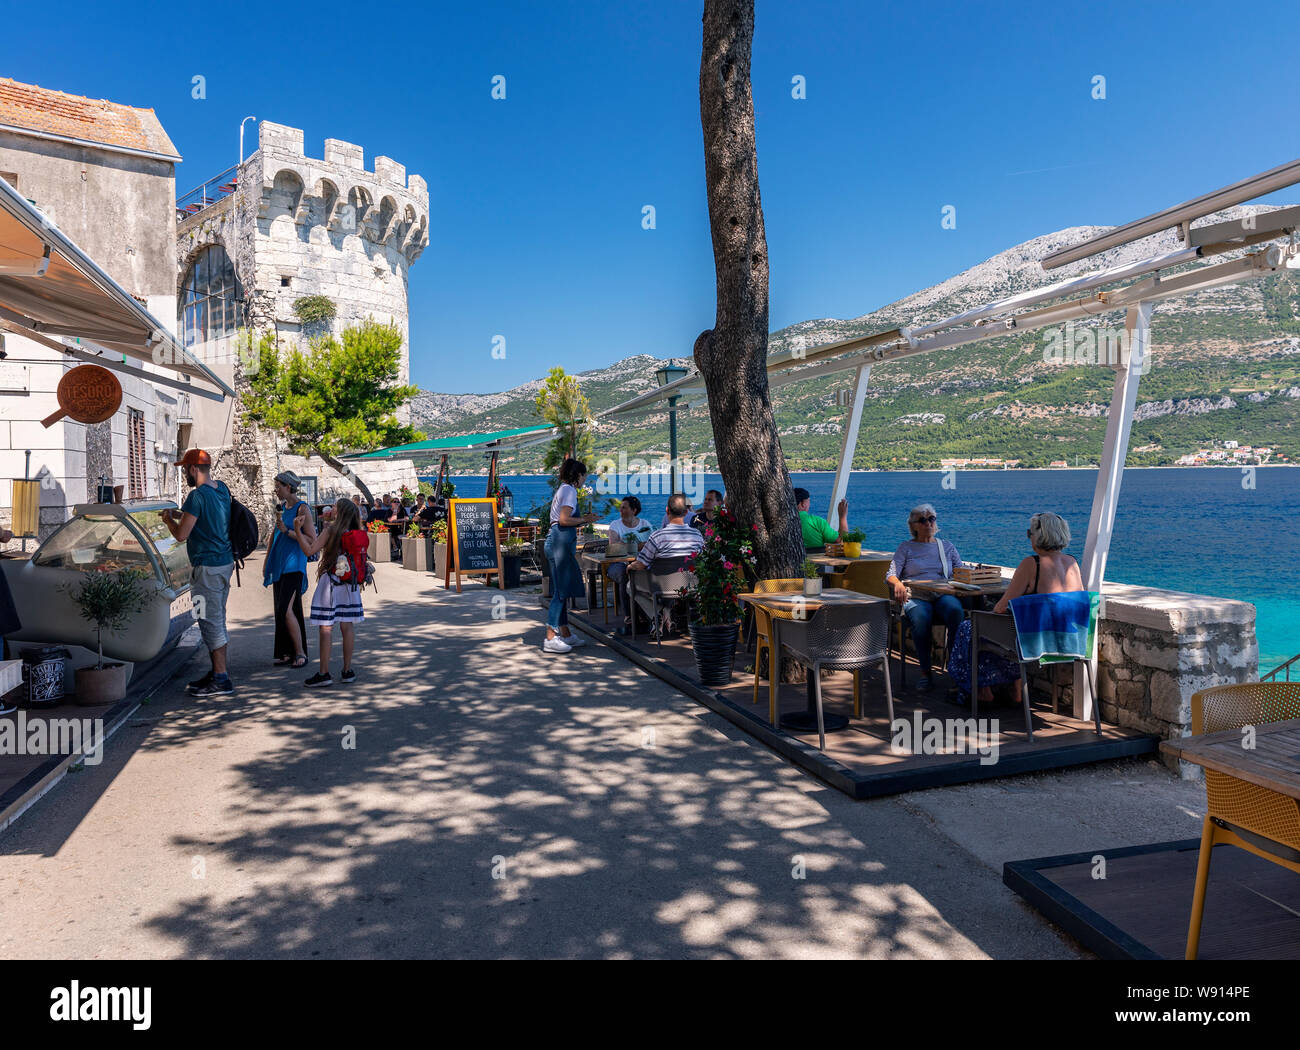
<point x="715" y="601"/>
<point x="438" y="541"/>
<point x="416" y="553"/>
<point x="381" y="544"/>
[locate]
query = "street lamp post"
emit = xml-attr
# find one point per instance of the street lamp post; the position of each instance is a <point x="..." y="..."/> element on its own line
<point x="241" y="138"/>
<point x="663" y="376"/>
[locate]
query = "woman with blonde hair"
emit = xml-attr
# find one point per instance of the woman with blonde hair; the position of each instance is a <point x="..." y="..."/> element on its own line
<point x="342" y="545"/>
<point x="1049" y="570"/>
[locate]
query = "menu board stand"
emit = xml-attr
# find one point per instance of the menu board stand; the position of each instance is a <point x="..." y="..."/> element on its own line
<point x="473" y="541"/>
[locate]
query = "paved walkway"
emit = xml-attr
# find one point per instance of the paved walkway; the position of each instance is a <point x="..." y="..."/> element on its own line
<point x="499" y="802"/>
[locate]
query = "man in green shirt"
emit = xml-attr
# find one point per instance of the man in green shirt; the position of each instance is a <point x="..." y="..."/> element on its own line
<point x="817" y="532"/>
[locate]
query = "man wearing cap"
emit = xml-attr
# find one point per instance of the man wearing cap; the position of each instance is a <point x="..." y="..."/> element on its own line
<point x="204" y="525"/>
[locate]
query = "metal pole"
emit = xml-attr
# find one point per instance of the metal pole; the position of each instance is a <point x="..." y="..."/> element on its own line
<point x="241" y="145"/>
<point x="1114" y="451"/>
<point x="849" y="444"/>
<point x="672" y="442"/>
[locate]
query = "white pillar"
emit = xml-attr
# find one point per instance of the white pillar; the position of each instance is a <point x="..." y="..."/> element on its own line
<point x="1105" y="500"/>
<point x="849" y="445"/>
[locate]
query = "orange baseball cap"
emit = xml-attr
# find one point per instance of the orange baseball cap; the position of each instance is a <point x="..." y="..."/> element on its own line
<point x="195" y="457"/>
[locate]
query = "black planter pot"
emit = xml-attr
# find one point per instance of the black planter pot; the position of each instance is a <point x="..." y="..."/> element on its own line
<point x="715" y="649"/>
<point x="513" y="566"/>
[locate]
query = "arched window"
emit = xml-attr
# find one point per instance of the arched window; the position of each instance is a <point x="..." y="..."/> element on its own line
<point x="211" y="299"/>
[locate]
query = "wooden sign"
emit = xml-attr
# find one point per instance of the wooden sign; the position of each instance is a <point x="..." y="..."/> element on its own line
<point x="87" y="394"/>
<point x="472" y="540"/>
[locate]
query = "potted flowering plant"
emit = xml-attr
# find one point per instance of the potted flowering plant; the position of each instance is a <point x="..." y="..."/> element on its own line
<point x="715" y="602"/>
<point x="381" y="548"/>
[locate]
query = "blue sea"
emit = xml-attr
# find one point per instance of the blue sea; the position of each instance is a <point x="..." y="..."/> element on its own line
<point x="1194" y="529"/>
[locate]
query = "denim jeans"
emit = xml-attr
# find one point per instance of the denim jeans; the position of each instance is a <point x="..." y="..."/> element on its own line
<point x="562" y="557"/>
<point x="920" y="614"/>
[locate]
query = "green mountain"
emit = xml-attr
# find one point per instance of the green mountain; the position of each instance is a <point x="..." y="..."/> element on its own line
<point x="1225" y="367"/>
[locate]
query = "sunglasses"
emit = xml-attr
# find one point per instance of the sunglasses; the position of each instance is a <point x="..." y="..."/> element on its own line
<point x="930" y="518"/>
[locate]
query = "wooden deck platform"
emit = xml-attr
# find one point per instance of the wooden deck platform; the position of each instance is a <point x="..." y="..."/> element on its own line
<point x="1140" y="910"/>
<point x="862" y="760"/>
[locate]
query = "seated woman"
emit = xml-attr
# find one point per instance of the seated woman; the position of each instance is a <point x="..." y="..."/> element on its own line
<point x="629" y="523"/>
<point x="1049" y="570"/>
<point x="924" y="557"/>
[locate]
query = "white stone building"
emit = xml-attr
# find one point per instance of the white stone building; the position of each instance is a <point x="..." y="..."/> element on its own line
<point x="104" y="174"/>
<point x="254" y="241"/>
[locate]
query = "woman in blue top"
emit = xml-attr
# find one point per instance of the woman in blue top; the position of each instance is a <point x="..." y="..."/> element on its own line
<point x="924" y="557"/>
<point x="562" y="556"/>
<point x="285" y="572"/>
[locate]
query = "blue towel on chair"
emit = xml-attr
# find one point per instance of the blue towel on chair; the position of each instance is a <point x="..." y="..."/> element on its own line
<point x="1056" y="627"/>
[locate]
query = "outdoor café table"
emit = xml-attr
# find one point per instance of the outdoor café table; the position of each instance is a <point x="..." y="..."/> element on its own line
<point x="598" y="564"/>
<point x="938" y="587"/>
<point x="839" y="561"/>
<point x="1273" y="763"/>
<point x="785" y="605"/>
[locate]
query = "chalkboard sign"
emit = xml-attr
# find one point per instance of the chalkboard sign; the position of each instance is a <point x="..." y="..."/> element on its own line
<point x="473" y="540"/>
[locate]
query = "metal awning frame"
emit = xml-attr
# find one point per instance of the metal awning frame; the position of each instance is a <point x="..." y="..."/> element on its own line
<point x="156" y="344"/>
<point x="1037" y="309"/>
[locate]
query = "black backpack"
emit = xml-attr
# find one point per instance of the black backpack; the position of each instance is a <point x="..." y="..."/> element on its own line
<point x="243" y="534"/>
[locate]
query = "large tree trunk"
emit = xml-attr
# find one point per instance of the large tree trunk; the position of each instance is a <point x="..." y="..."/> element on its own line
<point x="348" y="473"/>
<point x="733" y="355"/>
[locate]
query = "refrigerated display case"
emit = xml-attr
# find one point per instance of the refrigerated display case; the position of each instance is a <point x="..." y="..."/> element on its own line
<point x="104" y="537"/>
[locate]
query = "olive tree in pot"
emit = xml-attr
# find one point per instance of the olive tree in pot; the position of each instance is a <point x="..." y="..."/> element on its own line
<point x="108" y="600"/>
<point x="719" y="569"/>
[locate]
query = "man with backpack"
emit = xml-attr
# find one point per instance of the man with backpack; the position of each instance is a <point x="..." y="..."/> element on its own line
<point x="204" y="523"/>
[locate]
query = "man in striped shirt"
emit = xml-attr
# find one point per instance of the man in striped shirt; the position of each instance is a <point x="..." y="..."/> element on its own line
<point x="674" y="540"/>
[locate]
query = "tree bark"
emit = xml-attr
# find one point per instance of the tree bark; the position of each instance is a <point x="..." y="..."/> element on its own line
<point x="732" y="356"/>
<point x="348" y="473"/>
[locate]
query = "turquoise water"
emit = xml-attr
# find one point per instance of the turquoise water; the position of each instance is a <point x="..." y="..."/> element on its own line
<point x="1192" y="529"/>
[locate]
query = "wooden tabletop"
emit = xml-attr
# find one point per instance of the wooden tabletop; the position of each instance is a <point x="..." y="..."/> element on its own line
<point x="600" y="560"/>
<point x="990" y="590"/>
<point x="1273" y="763"/>
<point x="840" y="559"/>
<point x="828" y="596"/>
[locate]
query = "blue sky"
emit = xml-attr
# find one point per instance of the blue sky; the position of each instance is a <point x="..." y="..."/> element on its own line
<point x="536" y="201"/>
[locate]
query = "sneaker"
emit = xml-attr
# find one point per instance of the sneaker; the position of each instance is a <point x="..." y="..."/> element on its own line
<point x="200" y="683"/>
<point x="319" y="679"/>
<point x="556" y="645"/>
<point x="575" y="640"/>
<point x="923" y="684"/>
<point x="348" y="676"/>
<point x="215" y="687"/>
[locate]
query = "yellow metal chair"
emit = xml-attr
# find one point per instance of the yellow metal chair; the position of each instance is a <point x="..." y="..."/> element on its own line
<point x="763" y="634"/>
<point x="1263" y="822"/>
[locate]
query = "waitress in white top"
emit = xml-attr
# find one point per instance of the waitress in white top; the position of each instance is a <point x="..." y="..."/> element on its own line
<point x="562" y="556"/>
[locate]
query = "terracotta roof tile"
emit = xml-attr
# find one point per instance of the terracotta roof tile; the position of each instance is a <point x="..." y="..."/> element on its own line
<point x="73" y="116"/>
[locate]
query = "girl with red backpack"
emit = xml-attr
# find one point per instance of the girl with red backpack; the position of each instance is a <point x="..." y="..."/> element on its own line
<point x="342" y="545"/>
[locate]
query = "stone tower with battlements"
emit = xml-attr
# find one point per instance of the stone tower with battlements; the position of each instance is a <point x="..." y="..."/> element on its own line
<point x="293" y="226"/>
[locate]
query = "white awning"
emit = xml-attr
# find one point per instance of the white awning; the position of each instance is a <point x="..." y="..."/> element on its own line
<point x="51" y="291"/>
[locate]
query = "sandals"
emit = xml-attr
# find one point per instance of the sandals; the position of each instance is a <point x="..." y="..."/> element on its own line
<point x="282" y="661"/>
<point x="299" y="663"/>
